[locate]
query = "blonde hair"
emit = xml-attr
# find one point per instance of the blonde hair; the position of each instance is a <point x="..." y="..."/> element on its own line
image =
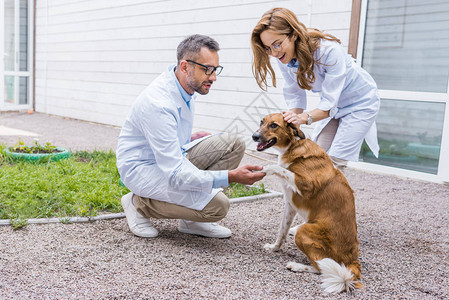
<point x="284" y="21"/>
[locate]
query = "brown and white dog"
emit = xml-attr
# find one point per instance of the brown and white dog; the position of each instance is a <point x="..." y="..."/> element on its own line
<point x="321" y="195"/>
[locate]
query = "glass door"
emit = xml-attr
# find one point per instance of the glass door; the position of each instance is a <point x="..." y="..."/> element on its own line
<point x="16" y="38"/>
<point x="406" y="50"/>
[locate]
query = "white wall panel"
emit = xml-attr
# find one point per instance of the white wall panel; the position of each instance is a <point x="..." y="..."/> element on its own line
<point x="94" y="57"/>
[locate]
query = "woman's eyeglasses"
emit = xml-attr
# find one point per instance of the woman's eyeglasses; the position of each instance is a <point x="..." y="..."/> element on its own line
<point x="275" y="47"/>
<point x="209" y="69"/>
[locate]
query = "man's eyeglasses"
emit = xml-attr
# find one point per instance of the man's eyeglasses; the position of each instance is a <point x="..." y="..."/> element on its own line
<point x="209" y="69"/>
<point x="275" y="47"/>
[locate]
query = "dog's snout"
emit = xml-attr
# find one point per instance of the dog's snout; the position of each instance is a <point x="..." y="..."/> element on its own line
<point x="256" y="136"/>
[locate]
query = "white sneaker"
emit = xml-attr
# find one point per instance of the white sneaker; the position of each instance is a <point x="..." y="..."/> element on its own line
<point x="212" y="230"/>
<point x="138" y="224"/>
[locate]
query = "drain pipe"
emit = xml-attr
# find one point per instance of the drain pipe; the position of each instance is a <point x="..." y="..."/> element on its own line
<point x="34" y="55"/>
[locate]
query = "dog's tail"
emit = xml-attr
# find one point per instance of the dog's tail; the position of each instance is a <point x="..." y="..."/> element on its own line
<point x="337" y="278"/>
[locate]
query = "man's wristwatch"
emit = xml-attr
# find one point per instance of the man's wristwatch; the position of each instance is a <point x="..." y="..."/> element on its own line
<point x="309" y="119"/>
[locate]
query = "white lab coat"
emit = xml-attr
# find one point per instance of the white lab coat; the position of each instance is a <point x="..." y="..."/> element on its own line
<point x="150" y="154"/>
<point x="347" y="91"/>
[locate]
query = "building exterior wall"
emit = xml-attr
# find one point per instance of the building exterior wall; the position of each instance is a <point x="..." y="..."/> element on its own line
<point x="94" y="57"/>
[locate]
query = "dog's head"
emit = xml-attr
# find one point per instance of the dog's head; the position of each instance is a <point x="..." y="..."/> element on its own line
<point x="274" y="131"/>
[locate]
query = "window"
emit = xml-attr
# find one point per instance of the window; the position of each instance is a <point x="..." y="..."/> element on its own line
<point x="406" y="50"/>
<point x="15" y="37"/>
<point x="409" y="134"/>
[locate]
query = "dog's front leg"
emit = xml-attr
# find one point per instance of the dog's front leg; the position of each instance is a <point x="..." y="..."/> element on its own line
<point x="289" y="215"/>
<point x="286" y="175"/>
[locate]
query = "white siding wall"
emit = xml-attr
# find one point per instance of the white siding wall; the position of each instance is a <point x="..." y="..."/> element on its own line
<point x="94" y="57"/>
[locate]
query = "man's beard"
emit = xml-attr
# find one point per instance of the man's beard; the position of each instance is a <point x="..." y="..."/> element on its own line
<point x="198" y="86"/>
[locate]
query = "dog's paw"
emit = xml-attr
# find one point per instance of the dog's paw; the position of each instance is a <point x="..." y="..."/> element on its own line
<point x="271" y="247"/>
<point x="297" y="267"/>
<point x="277" y="170"/>
<point x="269" y="170"/>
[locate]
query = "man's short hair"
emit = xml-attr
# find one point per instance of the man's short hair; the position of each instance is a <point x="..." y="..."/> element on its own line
<point x="191" y="46"/>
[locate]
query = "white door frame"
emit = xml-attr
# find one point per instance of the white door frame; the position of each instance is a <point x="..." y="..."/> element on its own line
<point x="29" y="73"/>
<point x="443" y="165"/>
<point x="2" y="55"/>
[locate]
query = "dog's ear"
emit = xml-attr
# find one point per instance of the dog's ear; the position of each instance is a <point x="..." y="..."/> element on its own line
<point x="294" y="129"/>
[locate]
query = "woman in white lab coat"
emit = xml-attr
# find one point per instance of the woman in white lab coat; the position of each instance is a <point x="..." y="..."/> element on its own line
<point x="312" y="60"/>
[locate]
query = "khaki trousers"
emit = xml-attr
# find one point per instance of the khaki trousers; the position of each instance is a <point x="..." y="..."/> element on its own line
<point x="220" y="152"/>
<point x="325" y="139"/>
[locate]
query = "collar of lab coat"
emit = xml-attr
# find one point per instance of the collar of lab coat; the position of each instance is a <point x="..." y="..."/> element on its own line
<point x="183" y="109"/>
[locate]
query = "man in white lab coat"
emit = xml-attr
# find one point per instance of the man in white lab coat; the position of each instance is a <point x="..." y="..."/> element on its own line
<point x="172" y="173"/>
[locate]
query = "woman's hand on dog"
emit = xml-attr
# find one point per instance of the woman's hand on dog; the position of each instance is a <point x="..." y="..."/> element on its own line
<point x="247" y="174"/>
<point x="298" y="116"/>
<point x="294" y="118"/>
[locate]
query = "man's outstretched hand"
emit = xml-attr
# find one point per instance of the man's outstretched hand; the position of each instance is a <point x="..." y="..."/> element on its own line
<point x="247" y="174"/>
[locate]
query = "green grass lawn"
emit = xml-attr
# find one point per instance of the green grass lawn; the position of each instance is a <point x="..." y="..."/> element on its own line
<point x="237" y="190"/>
<point x="86" y="184"/>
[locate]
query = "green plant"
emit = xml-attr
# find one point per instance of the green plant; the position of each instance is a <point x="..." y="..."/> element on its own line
<point x="4" y="157"/>
<point x="65" y="220"/>
<point x="237" y="190"/>
<point x="18" y="223"/>
<point x="21" y="147"/>
<point x="2" y="154"/>
<point x="49" y="147"/>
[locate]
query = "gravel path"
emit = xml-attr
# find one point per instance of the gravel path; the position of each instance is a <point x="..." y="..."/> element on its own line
<point x="403" y="232"/>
